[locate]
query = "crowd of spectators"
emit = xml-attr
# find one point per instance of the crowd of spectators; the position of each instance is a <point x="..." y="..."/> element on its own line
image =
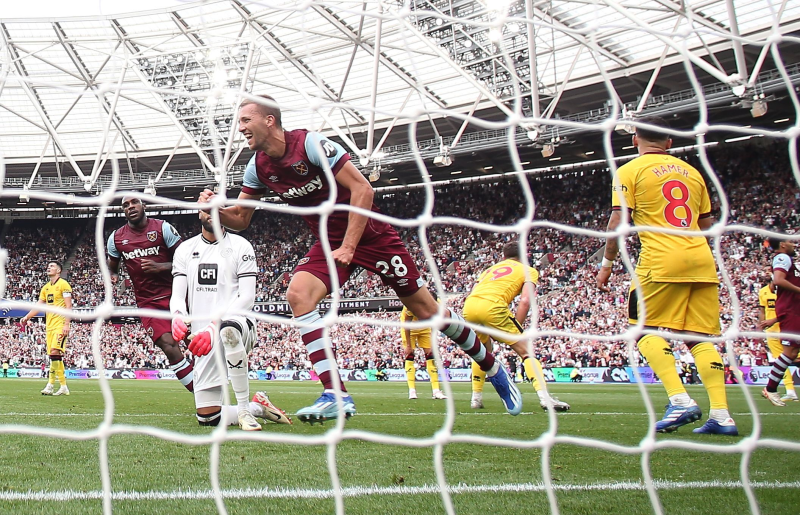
<point x="760" y="192"/>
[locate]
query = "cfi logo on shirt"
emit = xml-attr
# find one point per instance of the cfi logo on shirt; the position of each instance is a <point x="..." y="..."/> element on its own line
<point x="152" y="235"/>
<point x="301" y="168"/>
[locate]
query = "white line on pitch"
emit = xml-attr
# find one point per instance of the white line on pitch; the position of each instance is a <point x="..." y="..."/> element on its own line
<point x="358" y="491"/>
<point x="412" y="414"/>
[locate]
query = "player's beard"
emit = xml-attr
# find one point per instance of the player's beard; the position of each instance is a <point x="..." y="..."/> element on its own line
<point x="207" y="225"/>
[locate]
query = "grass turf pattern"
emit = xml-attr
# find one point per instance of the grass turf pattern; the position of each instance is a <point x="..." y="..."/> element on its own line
<point x="48" y="474"/>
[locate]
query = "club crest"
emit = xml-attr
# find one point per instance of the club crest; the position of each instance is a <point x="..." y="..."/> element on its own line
<point x="301" y="168"/>
<point x="152" y="235"/>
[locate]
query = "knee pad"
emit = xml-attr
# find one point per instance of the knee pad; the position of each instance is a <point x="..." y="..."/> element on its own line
<point x="231" y="333"/>
<point x="210" y="419"/>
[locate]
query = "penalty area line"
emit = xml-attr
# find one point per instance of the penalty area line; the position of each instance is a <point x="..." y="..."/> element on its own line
<point x="358" y="491"/>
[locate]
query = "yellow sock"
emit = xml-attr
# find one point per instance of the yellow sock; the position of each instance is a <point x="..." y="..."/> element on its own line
<point x="659" y="356"/>
<point x="51" y="375"/>
<point x="712" y="373"/>
<point x="478" y="378"/>
<point x="62" y="379"/>
<point x="430" y="365"/>
<point x="411" y="377"/>
<point x="788" y="382"/>
<point x="532" y="367"/>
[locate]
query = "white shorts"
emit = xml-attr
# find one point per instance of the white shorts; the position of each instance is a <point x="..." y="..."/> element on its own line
<point x="208" y="373"/>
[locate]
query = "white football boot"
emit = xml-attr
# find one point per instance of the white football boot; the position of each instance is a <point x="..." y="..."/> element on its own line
<point x="62" y="391"/>
<point x="48" y="390"/>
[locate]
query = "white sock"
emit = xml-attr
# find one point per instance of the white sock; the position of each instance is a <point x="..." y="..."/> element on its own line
<point x="682" y="399"/>
<point x="256" y="409"/>
<point x="492" y="371"/>
<point x="720" y="415"/>
<point x="543" y="396"/>
<point x="232" y="412"/>
<point x="477" y="396"/>
<point x="236" y="360"/>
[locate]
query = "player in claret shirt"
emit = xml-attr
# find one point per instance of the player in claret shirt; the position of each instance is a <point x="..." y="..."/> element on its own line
<point x="293" y="164"/>
<point x="147" y="245"/>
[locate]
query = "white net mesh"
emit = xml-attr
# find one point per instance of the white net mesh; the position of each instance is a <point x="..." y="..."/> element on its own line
<point x="93" y="93"/>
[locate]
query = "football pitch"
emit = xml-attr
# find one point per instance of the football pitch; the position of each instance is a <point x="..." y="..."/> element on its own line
<point x="49" y="473"/>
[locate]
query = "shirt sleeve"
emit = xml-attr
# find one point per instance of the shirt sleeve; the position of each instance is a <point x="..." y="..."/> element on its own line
<point x="534" y="274"/>
<point x="320" y="149"/>
<point x="171" y="236"/>
<point x="623" y="187"/>
<point x="66" y="289"/>
<point x="250" y="183"/>
<point x="42" y="295"/>
<point x="179" y="262"/>
<point x="247" y="266"/>
<point x="782" y="261"/>
<point x="111" y="247"/>
<point x="762" y="299"/>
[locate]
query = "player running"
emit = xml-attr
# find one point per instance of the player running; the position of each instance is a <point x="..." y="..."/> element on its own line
<point x="57" y="293"/>
<point x="418" y="339"/>
<point x="487" y="305"/>
<point x="786" y="276"/>
<point x="213" y="274"/>
<point x="676" y="273"/>
<point x="147" y="245"/>
<point x="292" y="164"/>
<point x="768" y="322"/>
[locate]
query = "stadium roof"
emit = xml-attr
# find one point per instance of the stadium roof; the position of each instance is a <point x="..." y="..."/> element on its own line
<point x="154" y="84"/>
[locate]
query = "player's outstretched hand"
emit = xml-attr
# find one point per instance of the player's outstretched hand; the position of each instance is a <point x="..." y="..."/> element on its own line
<point x="179" y="329"/>
<point x="602" y="278"/>
<point x="202" y="342"/>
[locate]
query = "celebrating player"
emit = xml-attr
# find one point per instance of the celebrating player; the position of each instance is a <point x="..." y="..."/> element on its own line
<point x="293" y="164"/>
<point x="786" y="277"/>
<point x="58" y="293"/>
<point x="421" y="339"/>
<point x="214" y="273"/>
<point x="768" y="322"/>
<point x="147" y="245"/>
<point x="676" y="273"/>
<point x="487" y="305"/>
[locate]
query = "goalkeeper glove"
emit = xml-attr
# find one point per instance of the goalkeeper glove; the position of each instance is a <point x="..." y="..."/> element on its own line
<point x="179" y="328"/>
<point x="202" y="341"/>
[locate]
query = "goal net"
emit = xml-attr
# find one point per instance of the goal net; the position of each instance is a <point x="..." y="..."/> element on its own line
<point x="476" y="122"/>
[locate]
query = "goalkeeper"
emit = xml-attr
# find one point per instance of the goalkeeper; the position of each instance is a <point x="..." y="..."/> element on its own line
<point x="214" y="273"/>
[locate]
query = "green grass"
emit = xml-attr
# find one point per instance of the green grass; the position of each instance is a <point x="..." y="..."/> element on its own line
<point x="146" y="464"/>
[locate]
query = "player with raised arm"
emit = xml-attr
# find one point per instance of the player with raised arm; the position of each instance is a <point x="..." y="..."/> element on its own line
<point x="768" y="322"/>
<point x="488" y="305"/>
<point x="676" y="273"/>
<point x="293" y="164"/>
<point x="216" y="274"/>
<point x="147" y="245"/>
<point x="418" y="339"/>
<point x="786" y="276"/>
<point x="57" y="293"/>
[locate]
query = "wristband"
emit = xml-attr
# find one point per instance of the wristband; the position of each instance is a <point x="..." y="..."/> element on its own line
<point x="607" y="262"/>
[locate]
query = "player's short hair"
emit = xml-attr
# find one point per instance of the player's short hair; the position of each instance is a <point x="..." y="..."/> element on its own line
<point x="511" y="250"/>
<point x="653" y="135"/>
<point x="270" y="108"/>
<point x="57" y="263"/>
<point x="775" y="241"/>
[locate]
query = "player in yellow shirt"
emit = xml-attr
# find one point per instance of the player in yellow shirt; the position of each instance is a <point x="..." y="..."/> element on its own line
<point x="487" y="305"/>
<point x="56" y="293"/>
<point x="676" y="273"/>
<point x="418" y="338"/>
<point x="768" y="322"/>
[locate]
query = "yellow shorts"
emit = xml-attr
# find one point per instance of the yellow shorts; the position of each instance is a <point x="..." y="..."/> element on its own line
<point x="419" y="339"/>
<point x="678" y="306"/>
<point x="56" y="341"/>
<point x="488" y="314"/>
<point x="775" y="347"/>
